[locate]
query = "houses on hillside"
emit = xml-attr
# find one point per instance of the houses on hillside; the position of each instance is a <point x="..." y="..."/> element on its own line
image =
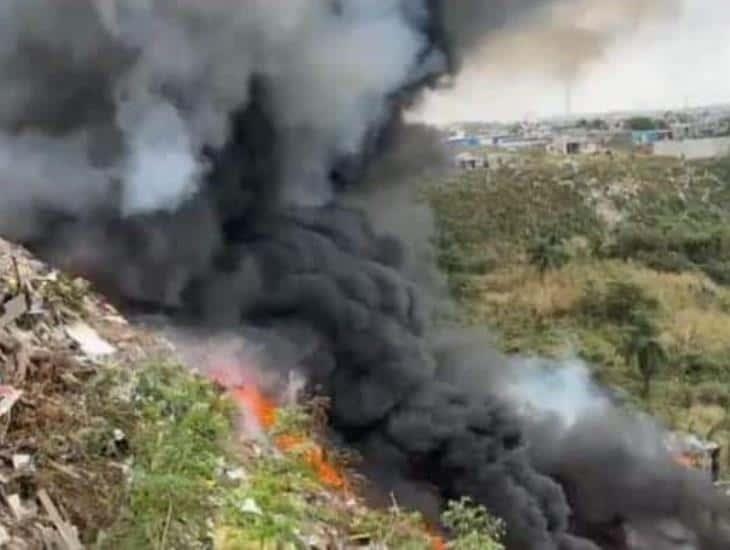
<point x="691" y="135"/>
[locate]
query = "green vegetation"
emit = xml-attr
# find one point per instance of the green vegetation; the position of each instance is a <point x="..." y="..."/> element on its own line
<point x="645" y="123"/>
<point x="473" y="528"/>
<point x="594" y="124"/>
<point x="548" y="253"/>
<point x="194" y="485"/>
<point x="623" y="261"/>
<point x="177" y="441"/>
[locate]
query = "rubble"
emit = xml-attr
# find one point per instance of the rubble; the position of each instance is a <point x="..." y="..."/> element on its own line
<point x="89" y="340"/>
<point x="65" y="460"/>
<point x="56" y="338"/>
<point x="8" y="397"/>
<point x="249" y="506"/>
<point x="69" y="534"/>
<point x="13" y="309"/>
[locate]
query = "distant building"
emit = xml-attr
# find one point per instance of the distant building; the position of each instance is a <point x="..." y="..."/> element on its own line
<point x="650" y="137"/>
<point x="620" y="142"/>
<point x="470" y="161"/>
<point x="519" y="143"/>
<point x="693" y="149"/>
<point x="463" y="141"/>
<point x="578" y="145"/>
<point x="684" y="130"/>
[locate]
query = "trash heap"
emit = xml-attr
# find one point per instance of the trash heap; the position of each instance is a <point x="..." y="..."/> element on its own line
<point x="61" y="456"/>
<point x="97" y="416"/>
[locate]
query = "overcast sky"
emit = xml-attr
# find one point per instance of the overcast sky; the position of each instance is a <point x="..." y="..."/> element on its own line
<point x="665" y="63"/>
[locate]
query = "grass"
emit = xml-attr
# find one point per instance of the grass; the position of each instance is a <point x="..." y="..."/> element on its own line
<point x="178" y="441"/>
<point x="552" y="315"/>
<point x="182" y="443"/>
<point x="644" y="238"/>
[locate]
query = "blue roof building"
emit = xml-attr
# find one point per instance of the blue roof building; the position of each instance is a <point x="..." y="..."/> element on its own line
<point x="649" y="137"/>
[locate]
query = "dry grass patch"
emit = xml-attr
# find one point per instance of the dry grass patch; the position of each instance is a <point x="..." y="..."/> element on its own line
<point x="552" y="295"/>
<point x="521" y="287"/>
<point x="702" y="419"/>
<point x="696" y="330"/>
<point x="678" y="291"/>
<point x="694" y="300"/>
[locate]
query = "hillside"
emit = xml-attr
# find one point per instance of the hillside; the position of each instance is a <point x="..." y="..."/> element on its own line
<point x="622" y="261"/>
<point x="109" y="440"/>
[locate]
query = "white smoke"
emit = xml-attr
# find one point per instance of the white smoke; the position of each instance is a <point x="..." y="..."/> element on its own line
<point x="160" y="170"/>
<point x="562" y="398"/>
<point x="565" y="390"/>
<point x="150" y="82"/>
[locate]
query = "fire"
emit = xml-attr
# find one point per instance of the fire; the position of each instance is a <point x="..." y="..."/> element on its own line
<point x="252" y="400"/>
<point x="249" y="398"/>
<point x="437" y="541"/>
<point x="684" y="460"/>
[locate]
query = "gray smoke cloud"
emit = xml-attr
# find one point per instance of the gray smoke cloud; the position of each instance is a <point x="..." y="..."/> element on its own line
<point x="560" y="39"/>
<point x="141" y="87"/>
<point x="234" y="164"/>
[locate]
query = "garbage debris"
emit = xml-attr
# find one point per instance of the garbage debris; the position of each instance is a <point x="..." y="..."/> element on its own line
<point x="13" y="309"/>
<point x="690" y="451"/>
<point x="8" y="397"/>
<point x="22" y="461"/>
<point x="55" y="335"/>
<point x="249" y="506"/>
<point x="89" y="340"/>
<point x="18" y="509"/>
<point x="236" y="474"/>
<point x="68" y="532"/>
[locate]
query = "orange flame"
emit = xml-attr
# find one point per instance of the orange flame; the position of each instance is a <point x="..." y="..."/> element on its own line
<point x="264" y="410"/>
<point x="249" y="398"/>
<point x="437" y="541"/>
<point x="684" y="460"/>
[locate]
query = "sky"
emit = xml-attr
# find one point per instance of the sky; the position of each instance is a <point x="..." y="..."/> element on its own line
<point x="665" y="62"/>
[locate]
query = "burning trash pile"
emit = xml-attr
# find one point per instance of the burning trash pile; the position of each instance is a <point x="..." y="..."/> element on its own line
<point x="277" y="421"/>
<point x="237" y="166"/>
<point x="261" y="414"/>
<point x="79" y="450"/>
<point x="691" y="452"/>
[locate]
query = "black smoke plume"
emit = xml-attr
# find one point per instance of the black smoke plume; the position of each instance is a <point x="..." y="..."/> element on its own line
<point x="204" y="159"/>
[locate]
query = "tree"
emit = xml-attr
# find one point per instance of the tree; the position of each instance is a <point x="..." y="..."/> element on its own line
<point x="548" y="253"/>
<point x="598" y="124"/>
<point x="645" y="350"/>
<point x="641" y="123"/>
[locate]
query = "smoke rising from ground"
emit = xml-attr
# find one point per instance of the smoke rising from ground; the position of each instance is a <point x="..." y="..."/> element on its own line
<point x="234" y="164"/>
<point x="560" y="39"/>
<point x="553" y="42"/>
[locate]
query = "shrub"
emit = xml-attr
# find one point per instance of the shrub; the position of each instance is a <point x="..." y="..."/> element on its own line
<point x="548" y="252"/>
<point x="665" y="260"/>
<point x="697" y="367"/>
<point x="677" y="242"/>
<point x="473" y="528"/>
<point x="713" y="393"/>
<point x="633" y="239"/>
<point x="620" y="302"/>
